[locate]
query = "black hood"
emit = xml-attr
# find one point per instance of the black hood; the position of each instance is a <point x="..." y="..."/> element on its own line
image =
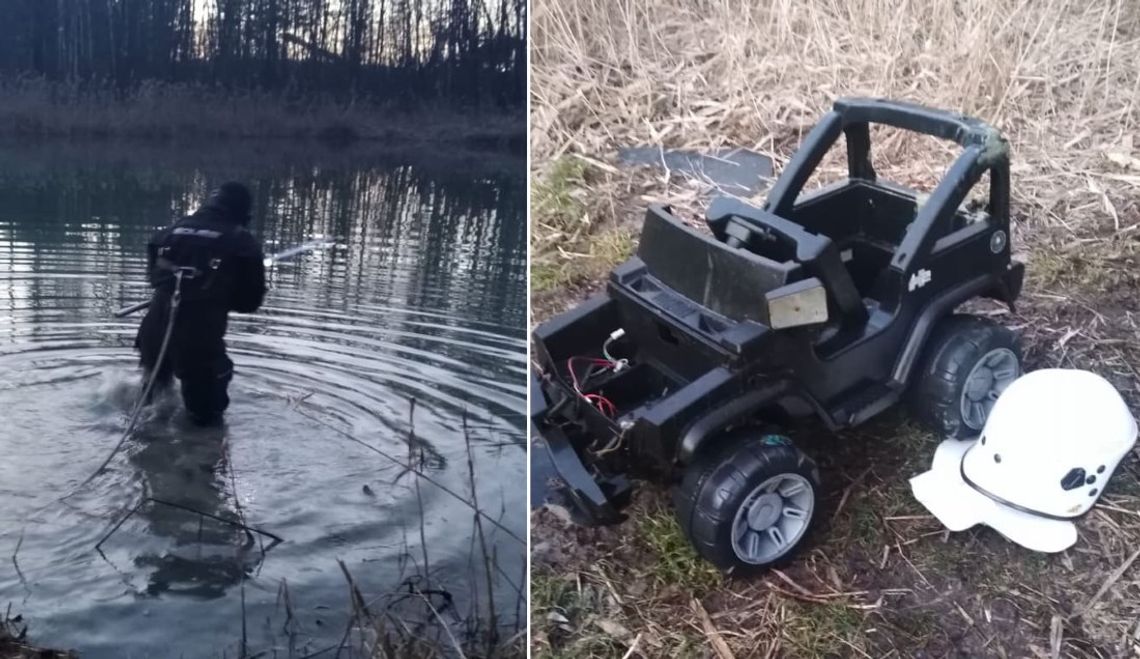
<point x="233" y="200"/>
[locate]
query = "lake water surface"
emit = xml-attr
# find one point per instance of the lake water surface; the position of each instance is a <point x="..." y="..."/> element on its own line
<point x="422" y="296"/>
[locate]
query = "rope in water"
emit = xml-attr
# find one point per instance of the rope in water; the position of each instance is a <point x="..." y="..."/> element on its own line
<point x="136" y="412"/>
<point x="152" y="377"/>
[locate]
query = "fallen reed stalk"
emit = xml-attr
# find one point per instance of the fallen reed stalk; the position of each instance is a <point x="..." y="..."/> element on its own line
<point x="418" y="472"/>
<point x="250" y="530"/>
<point x="416" y="481"/>
<point x="492" y="619"/>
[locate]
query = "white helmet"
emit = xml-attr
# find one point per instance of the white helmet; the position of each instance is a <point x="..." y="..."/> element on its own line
<point x="1048" y="448"/>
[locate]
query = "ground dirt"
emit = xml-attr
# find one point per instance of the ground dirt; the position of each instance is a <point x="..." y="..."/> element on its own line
<point x="881" y="578"/>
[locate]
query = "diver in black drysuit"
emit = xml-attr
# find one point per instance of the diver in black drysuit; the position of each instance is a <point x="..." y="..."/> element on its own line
<point x="222" y="269"/>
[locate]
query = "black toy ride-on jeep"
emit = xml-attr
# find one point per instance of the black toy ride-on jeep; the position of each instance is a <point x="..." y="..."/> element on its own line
<point x="836" y="303"/>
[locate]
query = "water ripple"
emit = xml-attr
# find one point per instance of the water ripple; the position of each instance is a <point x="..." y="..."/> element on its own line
<point x="411" y="303"/>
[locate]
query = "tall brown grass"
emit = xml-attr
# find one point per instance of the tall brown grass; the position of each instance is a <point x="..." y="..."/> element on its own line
<point x="32" y="107"/>
<point x="1060" y="77"/>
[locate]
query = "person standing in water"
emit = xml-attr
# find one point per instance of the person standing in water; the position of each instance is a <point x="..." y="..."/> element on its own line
<point x="201" y="268"/>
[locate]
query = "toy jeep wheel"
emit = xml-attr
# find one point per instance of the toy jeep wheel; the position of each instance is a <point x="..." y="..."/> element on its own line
<point x="749" y="505"/>
<point x="969" y="361"/>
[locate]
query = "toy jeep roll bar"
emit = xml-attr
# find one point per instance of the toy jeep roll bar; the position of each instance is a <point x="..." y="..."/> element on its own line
<point x="822" y="303"/>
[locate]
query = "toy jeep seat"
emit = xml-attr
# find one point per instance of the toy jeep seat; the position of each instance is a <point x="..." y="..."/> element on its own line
<point x="727" y="281"/>
<point x="753" y="254"/>
<point x="761" y="232"/>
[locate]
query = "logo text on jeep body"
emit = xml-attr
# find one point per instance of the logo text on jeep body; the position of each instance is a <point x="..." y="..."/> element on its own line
<point x="919" y="279"/>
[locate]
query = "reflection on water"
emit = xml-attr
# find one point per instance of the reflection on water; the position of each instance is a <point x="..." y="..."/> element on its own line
<point x="183" y="476"/>
<point x="421" y="296"/>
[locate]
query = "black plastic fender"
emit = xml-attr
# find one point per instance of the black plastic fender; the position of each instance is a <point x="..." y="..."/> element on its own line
<point x="1009" y="285"/>
<point x="725" y="415"/>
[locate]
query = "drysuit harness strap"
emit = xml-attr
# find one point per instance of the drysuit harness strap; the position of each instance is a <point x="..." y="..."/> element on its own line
<point x="202" y="268"/>
<point x="186" y="271"/>
<point x="179" y="274"/>
<point x="176" y="296"/>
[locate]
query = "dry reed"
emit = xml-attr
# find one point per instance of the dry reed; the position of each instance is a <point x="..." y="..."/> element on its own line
<point x="184" y="112"/>
<point x="1060" y="77"/>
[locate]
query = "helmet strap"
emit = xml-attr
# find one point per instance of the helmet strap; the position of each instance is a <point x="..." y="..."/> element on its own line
<point x="1009" y="504"/>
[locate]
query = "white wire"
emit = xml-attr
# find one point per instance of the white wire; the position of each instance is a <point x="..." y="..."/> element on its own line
<point x="606" y="349"/>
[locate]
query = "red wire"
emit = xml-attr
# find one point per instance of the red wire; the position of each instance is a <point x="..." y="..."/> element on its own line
<point x="574" y="376"/>
<point x="609" y="409"/>
<point x="597" y="400"/>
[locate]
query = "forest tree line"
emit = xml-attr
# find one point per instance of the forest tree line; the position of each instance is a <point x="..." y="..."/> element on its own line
<point x="466" y="51"/>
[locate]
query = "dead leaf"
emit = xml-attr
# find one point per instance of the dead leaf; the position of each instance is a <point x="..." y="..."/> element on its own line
<point x="833" y="575"/>
<point x="1123" y="159"/>
<point x="614" y="629"/>
<point x="1068" y="335"/>
<point x="1056" y="635"/>
<point x="557" y="618"/>
<point x="1109" y="207"/>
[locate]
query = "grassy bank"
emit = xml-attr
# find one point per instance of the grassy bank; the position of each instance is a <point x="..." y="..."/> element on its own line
<point x="35" y="108"/>
<point x="14" y="645"/>
<point x="880" y="578"/>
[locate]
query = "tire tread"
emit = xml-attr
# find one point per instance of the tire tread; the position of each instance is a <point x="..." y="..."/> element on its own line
<point x="713" y="486"/>
<point x="952" y="350"/>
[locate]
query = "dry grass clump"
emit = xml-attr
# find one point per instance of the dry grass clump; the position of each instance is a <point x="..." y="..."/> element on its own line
<point x="420" y="619"/>
<point x="1059" y="76"/>
<point x="1061" y="79"/>
<point x="14" y="642"/>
